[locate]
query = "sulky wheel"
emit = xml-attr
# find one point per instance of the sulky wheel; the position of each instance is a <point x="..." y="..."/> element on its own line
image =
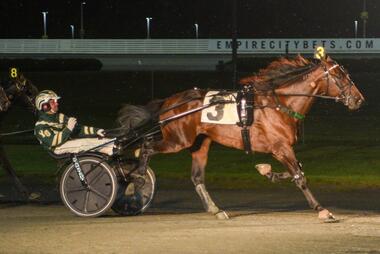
<point x="95" y="199"/>
<point x="135" y="195"/>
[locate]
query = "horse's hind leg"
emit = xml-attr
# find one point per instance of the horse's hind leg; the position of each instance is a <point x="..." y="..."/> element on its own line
<point x="199" y="151"/>
<point x="199" y="162"/>
<point x="286" y="156"/>
<point x="4" y="162"/>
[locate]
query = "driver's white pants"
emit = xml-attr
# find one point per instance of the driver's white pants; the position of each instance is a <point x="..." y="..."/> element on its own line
<point x="84" y="144"/>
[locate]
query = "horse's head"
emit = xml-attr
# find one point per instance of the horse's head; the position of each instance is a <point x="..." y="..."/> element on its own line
<point x="337" y="83"/>
<point x="22" y="89"/>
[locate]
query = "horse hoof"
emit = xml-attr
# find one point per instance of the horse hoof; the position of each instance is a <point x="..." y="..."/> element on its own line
<point x="213" y="210"/>
<point x="327" y="217"/>
<point x="264" y="169"/>
<point x="34" y="196"/>
<point x="331" y="219"/>
<point x="222" y="215"/>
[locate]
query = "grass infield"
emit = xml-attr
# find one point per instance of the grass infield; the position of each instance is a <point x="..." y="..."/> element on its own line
<point x="339" y="166"/>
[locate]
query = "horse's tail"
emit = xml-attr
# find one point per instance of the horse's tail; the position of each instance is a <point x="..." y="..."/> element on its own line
<point x="131" y="117"/>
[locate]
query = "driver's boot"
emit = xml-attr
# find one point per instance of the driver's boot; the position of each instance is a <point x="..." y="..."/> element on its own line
<point x="34" y="196"/>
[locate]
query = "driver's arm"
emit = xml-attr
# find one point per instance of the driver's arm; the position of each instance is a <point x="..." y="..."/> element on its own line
<point x="87" y="131"/>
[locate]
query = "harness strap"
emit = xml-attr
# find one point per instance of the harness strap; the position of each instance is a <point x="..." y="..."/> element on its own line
<point x="245" y="134"/>
<point x="290" y="112"/>
<point x="287" y="110"/>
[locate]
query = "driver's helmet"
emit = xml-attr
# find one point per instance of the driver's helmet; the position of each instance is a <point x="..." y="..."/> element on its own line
<point x="44" y="97"/>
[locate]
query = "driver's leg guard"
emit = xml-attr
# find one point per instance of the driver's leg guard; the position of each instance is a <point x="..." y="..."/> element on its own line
<point x="143" y="162"/>
<point x="144" y="157"/>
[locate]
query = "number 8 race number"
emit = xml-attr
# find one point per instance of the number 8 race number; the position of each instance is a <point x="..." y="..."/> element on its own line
<point x="13" y="72"/>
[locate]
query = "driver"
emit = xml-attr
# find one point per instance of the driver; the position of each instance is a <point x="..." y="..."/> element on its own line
<point x="61" y="134"/>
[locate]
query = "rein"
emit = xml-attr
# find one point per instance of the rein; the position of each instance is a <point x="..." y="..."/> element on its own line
<point x="135" y="136"/>
<point x="326" y="73"/>
<point x="16" y="132"/>
<point x="309" y="95"/>
<point x="177" y="105"/>
<point x="171" y="118"/>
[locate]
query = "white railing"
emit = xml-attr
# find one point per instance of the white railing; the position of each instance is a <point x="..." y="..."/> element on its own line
<point x="101" y="46"/>
<point x="186" y="46"/>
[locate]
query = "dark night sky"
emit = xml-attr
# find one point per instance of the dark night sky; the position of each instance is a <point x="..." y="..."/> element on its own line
<point x="175" y="18"/>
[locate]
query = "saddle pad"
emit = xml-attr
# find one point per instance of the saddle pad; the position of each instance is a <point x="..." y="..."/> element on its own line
<point x="222" y="113"/>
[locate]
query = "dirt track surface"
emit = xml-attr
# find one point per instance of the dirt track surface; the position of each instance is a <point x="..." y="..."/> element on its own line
<point x="275" y="221"/>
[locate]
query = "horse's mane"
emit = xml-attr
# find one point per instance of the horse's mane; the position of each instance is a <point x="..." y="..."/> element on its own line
<point x="279" y="72"/>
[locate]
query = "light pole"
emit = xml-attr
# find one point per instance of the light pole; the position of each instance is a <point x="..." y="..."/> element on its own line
<point x="81" y="20"/>
<point x="44" y="13"/>
<point x="148" y="27"/>
<point x="72" y="31"/>
<point x="196" y="30"/>
<point x="356" y="28"/>
<point x="364" y="17"/>
<point x="234" y="44"/>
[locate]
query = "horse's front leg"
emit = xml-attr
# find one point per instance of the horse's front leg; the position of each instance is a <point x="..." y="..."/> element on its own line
<point x="266" y="170"/>
<point x="198" y="166"/>
<point x="285" y="154"/>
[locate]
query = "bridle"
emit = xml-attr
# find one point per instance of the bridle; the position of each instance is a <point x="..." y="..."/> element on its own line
<point x="328" y="76"/>
<point x="343" y="96"/>
<point x="18" y="88"/>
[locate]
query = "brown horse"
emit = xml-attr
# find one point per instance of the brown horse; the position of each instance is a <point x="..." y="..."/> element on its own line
<point x="16" y="89"/>
<point x="284" y="90"/>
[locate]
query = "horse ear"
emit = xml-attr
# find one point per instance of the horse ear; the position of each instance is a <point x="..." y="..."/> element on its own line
<point x="329" y="59"/>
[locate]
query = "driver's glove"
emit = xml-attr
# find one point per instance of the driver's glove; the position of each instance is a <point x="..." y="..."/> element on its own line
<point x="71" y="123"/>
<point x="101" y="133"/>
